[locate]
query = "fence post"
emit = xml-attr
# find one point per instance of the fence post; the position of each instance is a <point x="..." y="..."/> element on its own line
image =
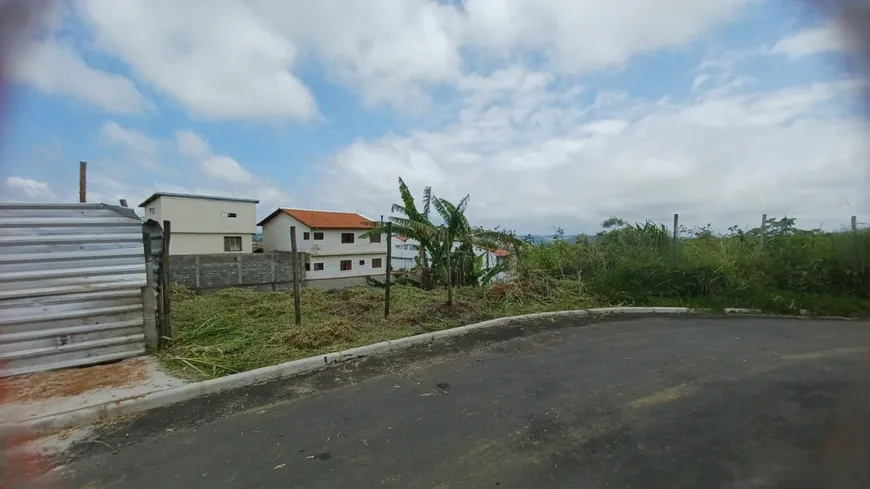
<point x="294" y="262"/>
<point x="854" y="226"/>
<point x="149" y="298"/>
<point x="389" y="267"/>
<point x="197" y="280"/>
<point x="166" y="333"/>
<point x="272" y="271"/>
<point x="762" y="230"/>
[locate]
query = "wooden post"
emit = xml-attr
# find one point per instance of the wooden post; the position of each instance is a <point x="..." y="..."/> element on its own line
<point x="197" y="279"/>
<point x="761" y="233"/>
<point x="449" y="244"/>
<point x="83" y="182"/>
<point x="389" y="267"/>
<point x="294" y="262"/>
<point x="149" y="298"/>
<point x="676" y="226"/>
<point x="166" y="333"/>
<point x="857" y="252"/>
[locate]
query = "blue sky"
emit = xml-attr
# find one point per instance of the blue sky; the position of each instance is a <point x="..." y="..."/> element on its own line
<point x="550" y="114"/>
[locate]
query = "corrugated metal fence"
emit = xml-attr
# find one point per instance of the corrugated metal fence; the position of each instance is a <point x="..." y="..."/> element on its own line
<point x="71" y="278"/>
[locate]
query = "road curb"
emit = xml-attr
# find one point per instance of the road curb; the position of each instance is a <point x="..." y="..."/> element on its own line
<point x="123" y="407"/>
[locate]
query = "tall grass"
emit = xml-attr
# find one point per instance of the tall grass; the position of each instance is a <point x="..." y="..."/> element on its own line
<point x="795" y="270"/>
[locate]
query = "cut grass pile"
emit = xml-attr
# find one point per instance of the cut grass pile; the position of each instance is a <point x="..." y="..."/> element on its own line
<point x="234" y="330"/>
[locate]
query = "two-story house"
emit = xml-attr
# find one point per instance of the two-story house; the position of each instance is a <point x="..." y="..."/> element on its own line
<point x="204" y="223"/>
<point x="332" y="239"/>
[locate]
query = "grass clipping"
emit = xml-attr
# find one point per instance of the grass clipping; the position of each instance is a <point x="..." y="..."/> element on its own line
<point x="235" y="330"/>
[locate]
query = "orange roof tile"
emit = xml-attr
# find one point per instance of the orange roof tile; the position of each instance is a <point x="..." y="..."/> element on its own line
<point x="502" y="252"/>
<point x="325" y="219"/>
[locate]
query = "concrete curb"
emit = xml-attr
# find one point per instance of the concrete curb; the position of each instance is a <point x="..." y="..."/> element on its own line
<point x="122" y="407"/>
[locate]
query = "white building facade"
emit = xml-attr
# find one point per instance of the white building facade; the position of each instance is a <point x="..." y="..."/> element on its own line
<point x="204" y="223"/>
<point x="405" y="252"/>
<point x="333" y="241"/>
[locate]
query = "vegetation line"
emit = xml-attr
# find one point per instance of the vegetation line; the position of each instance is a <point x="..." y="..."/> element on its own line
<point x="794" y="272"/>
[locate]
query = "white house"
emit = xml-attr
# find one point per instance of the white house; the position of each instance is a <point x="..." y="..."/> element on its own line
<point x="332" y="239"/>
<point x="405" y="251"/>
<point x="204" y="223"/>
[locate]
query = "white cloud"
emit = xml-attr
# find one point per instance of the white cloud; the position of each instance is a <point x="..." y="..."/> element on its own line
<point x="130" y="139"/>
<point x="216" y="58"/>
<point x="191" y="144"/>
<point x="225" y="168"/>
<point x="723" y="157"/>
<point x="389" y="50"/>
<point x="815" y="40"/>
<point x="584" y="36"/>
<point x="29" y="189"/>
<point x="142" y="149"/>
<point x="55" y="68"/>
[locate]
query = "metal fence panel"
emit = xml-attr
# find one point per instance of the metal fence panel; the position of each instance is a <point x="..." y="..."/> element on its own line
<point x="71" y="278"/>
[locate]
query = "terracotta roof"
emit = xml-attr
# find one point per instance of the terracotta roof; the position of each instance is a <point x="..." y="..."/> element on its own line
<point x="325" y="219"/>
<point x="401" y="238"/>
<point x="502" y="252"/>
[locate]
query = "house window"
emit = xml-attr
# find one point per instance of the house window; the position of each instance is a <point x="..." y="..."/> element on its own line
<point x="307" y="267"/>
<point x="229" y="215"/>
<point x="318" y="267"/>
<point x="346" y="265"/>
<point x="377" y="263"/>
<point x="346" y="238"/>
<point x="318" y="236"/>
<point x="362" y="262"/>
<point x="232" y="243"/>
<point x="375" y="238"/>
<point x="306" y="236"/>
<point x="152" y="210"/>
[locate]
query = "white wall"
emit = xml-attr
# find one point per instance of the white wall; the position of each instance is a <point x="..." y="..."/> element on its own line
<point x="276" y="237"/>
<point x="197" y="243"/>
<point x="403" y="253"/>
<point x="193" y="215"/>
<point x="332" y="266"/>
<point x="276" y="234"/>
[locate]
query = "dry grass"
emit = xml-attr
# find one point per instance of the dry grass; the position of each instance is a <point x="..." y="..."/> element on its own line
<point x="74" y="381"/>
<point x="234" y="330"/>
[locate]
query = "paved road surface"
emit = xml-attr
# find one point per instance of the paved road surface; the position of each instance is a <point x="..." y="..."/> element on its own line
<point x="652" y="403"/>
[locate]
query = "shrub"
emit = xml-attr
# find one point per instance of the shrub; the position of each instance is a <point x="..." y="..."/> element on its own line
<point x="640" y="264"/>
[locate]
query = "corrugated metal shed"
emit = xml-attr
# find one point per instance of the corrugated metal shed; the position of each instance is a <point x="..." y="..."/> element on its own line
<point x="71" y="278"/>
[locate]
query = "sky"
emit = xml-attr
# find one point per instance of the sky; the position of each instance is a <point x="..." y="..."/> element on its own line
<point x="548" y="113"/>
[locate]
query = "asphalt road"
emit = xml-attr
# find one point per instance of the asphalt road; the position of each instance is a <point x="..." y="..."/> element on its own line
<point x="652" y="403"/>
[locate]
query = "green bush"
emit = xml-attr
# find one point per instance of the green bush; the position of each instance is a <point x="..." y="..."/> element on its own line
<point x="815" y="271"/>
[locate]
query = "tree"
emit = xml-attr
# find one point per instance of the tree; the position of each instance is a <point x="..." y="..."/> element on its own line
<point x="446" y="249"/>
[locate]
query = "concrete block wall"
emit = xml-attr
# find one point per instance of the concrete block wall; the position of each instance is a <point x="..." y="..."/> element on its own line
<point x="260" y="271"/>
